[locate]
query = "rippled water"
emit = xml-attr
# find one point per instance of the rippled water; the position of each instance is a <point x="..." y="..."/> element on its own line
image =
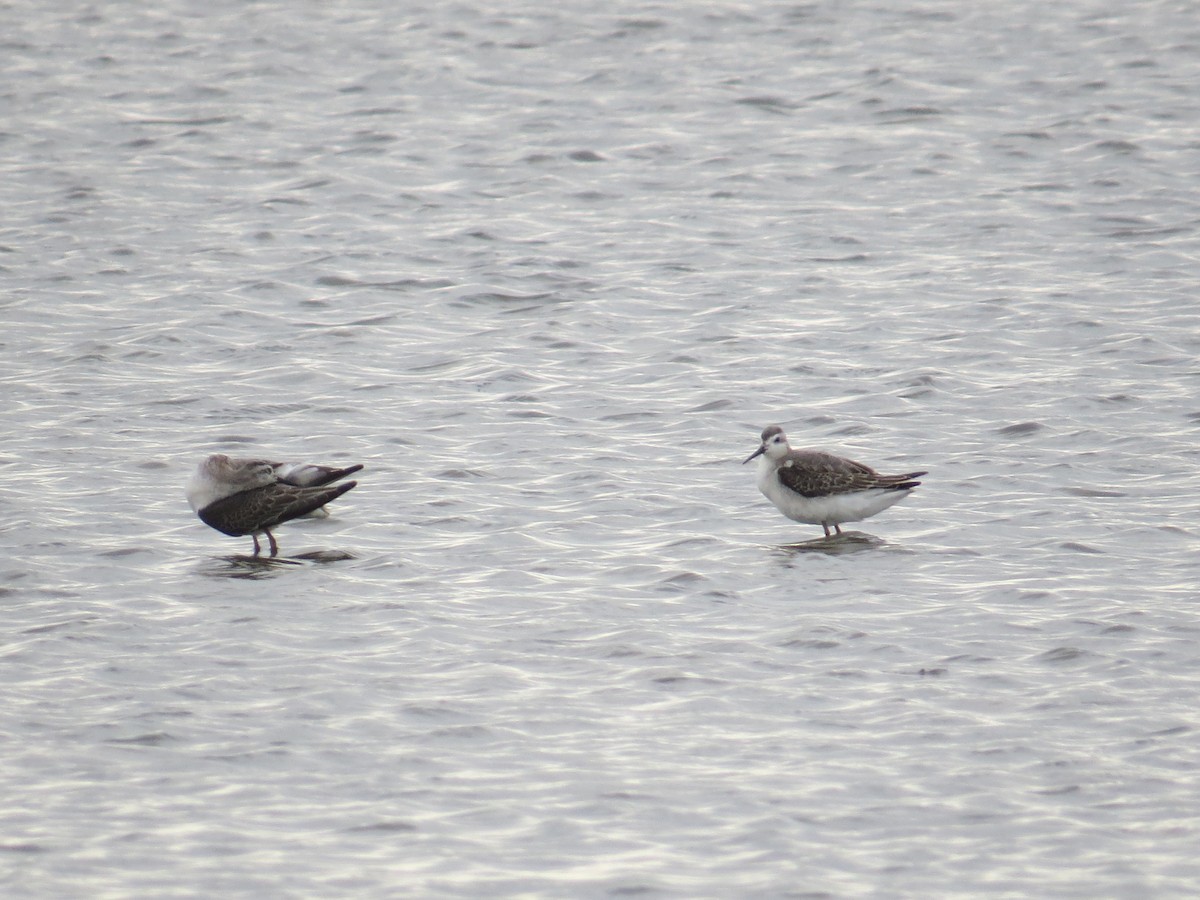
<point x="547" y="271"/>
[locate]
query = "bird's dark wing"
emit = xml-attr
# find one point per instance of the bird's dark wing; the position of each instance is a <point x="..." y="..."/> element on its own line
<point x="265" y="507"/>
<point x="812" y="473"/>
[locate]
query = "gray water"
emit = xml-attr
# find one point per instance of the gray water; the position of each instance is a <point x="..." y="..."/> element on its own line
<point x="547" y="270"/>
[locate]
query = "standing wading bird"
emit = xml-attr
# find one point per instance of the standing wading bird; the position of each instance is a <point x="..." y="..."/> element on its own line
<point x="819" y="488"/>
<point x="252" y="496"/>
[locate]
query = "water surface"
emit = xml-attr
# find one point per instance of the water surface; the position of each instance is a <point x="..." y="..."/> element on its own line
<point x="547" y="273"/>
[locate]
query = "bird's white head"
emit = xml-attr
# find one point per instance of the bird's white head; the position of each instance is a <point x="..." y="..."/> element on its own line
<point x="774" y="444"/>
<point x="220" y="476"/>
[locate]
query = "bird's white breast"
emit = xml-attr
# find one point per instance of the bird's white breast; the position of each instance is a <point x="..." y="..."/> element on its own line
<point x="204" y="490"/>
<point x="834" y="508"/>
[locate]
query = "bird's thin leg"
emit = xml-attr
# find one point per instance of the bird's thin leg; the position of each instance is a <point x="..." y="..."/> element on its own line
<point x="825" y="525"/>
<point x="271" y="538"/>
<point x="837" y="527"/>
<point x="257" y="548"/>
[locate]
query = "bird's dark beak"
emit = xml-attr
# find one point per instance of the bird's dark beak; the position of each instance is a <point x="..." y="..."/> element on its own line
<point x="761" y="449"/>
